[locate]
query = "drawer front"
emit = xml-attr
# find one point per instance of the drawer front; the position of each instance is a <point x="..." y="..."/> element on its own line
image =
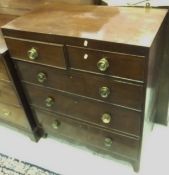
<point x="7" y="94"/>
<point x="114" y="64"/>
<point x="93" y="86"/>
<point x="101" y="114"/>
<point x="3" y="72"/>
<point x="13" y="116"/>
<point x="58" y="125"/>
<point x="44" y="53"/>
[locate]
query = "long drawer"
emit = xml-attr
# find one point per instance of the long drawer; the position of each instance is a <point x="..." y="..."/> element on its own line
<point x="39" y="52"/>
<point x="13" y="116"/>
<point x="8" y="94"/>
<point x="57" y="125"/>
<point x="99" y="87"/>
<point x="110" y="63"/>
<point x="98" y="113"/>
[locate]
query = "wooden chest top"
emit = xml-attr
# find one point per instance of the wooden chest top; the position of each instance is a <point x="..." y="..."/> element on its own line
<point x="131" y="26"/>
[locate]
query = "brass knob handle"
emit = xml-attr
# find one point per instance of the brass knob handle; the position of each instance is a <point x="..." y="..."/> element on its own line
<point x="56" y="124"/>
<point x="49" y="102"/>
<point x="104" y="92"/>
<point x="5" y="112"/>
<point x="41" y="77"/>
<point x="32" y="54"/>
<point x="103" y="64"/>
<point x="108" y="142"/>
<point x="106" y="118"/>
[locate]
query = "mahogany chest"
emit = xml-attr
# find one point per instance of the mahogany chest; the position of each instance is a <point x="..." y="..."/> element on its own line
<point x="91" y="73"/>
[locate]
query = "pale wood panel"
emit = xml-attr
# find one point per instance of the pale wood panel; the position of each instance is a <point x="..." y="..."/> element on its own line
<point x="3" y="72"/>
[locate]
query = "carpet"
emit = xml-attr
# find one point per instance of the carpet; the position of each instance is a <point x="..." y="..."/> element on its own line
<point x="12" y="166"/>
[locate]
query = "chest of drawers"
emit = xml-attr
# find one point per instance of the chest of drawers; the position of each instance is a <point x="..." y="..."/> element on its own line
<point x="90" y="74"/>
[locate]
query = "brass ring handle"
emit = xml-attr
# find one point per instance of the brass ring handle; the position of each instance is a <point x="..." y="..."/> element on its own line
<point x="56" y="124"/>
<point x="103" y="64"/>
<point x="41" y="77"/>
<point x="104" y="92"/>
<point x="106" y="118"/>
<point x="32" y="54"/>
<point x="49" y="102"/>
<point x="108" y="142"/>
<point x="5" y="112"/>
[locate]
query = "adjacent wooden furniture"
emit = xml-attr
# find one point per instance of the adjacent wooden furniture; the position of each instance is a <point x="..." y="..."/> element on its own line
<point x="90" y="78"/>
<point x="12" y="109"/>
<point x="20" y="7"/>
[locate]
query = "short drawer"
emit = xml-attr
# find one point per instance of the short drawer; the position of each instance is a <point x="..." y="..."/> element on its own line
<point x="98" y="113"/>
<point x="8" y="94"/>
<point x="34" y="51"/>
<point x="14" y="116"/>
<point x="89" y="85"/>
<point x="3" y="72"/>
<point x="113" y="64"/>
<point x="57" y="126"/>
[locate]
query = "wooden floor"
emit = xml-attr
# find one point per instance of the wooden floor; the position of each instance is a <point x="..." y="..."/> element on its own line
<point x="69" y="160"/>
